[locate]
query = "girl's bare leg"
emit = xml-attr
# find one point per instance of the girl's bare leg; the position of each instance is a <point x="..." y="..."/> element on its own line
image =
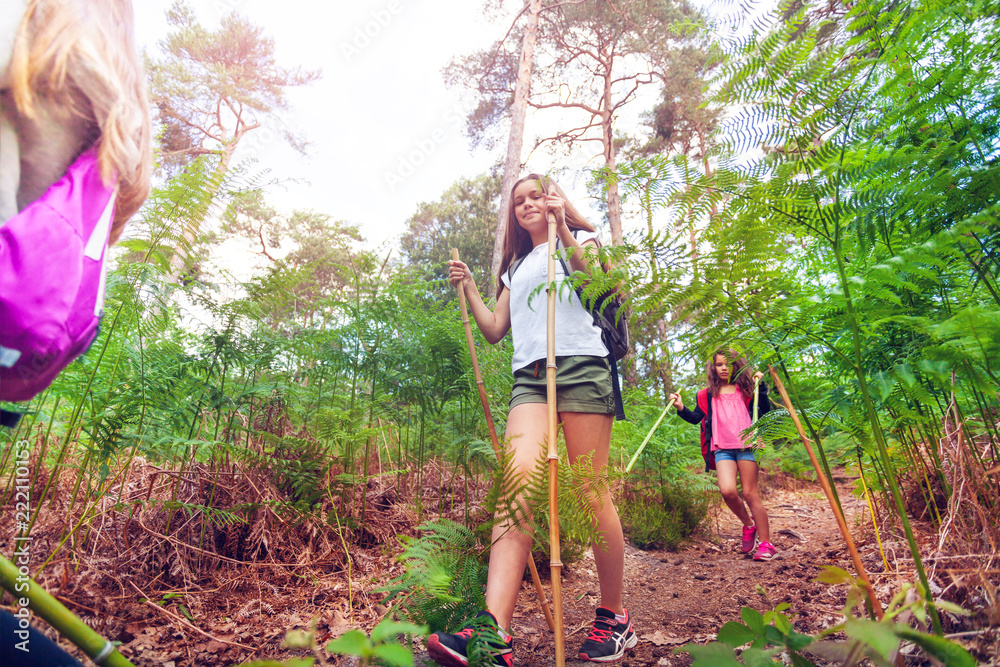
<point x="527" y="426"/>
<point x="726" y="473"/>
<point x="586" y="433"/>
<point x="751" y="494"/>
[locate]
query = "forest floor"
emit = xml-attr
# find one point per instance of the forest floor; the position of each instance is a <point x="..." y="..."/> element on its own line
<point x="674" y="597"/>
<point x="683" y="597"/>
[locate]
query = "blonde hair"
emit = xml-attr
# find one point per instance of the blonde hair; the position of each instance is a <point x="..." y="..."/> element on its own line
<point x="517" y="241"/>
<point x="81" y="53"/>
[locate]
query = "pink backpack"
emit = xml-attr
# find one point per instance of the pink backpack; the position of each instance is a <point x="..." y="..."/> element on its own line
<point x="52" y="279"/>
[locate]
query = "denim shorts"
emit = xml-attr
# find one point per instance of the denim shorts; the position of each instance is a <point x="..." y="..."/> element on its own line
<point x="583" y="384"/>
<point x="734" y="455"/>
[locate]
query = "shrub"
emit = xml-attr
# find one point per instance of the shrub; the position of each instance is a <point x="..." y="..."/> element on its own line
<point x="665" y="522"/>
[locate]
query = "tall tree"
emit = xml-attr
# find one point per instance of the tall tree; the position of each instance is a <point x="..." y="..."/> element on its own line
<point x="683" y="125"/>
<point x="462" y="218"/>
<point x="515" y="142"/>
<point x="684" y="121"/>
<point x="210" y="89"/>
<point x="592" y="59"/>
<point x="308" y="256"/>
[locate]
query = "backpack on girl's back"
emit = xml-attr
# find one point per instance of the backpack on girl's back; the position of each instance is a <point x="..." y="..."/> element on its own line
<point x="74" y="108"/>
<point x="52" y="279"/>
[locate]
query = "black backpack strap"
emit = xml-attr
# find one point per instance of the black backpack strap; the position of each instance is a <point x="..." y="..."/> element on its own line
<point x="9" y="419"/>
<point x="617" y="389"/>
<point x="513" y="267"/>
<point x="612" y="362"/>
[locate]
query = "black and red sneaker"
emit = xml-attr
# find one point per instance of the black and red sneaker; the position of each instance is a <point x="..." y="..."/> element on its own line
<point x="478" y="638"/>
<point x="608" y="639"/>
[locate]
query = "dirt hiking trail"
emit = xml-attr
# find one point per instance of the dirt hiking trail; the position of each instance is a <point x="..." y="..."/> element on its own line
<point x="238" y="614"/>
<point x="686" y="596"/>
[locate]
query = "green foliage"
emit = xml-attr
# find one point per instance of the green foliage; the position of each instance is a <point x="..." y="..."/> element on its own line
<point x="845" y="235"/>
<point x="666" y="522"/>
<point x="481" y="647"/>
<point x="673" y="448"/>
<point x="181" y="607"/>
<point x="788" y="456"/>
<point x="445" y="574"/>
<point x="525" y="502"/>
<point x="844" y="230"/>
<point x="866" y="639"/>
<point x="442" y="585"/>
<point x="300" y="467"/>
<point x="214" y="86"/>
<point x="381" y="647"/>
<point x="464" y="218"/>
<point x="215" y="516"/>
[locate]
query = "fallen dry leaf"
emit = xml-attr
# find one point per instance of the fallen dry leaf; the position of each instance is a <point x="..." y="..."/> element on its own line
<point x="660" y="638"/>
<point x="214" y="646"/>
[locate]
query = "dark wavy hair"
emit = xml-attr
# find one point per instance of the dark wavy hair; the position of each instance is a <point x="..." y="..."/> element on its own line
<point x="517" y="242"/>
<point x="740" y="372"/>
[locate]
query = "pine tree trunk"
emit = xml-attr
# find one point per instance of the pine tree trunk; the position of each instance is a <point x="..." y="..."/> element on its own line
<point x="614" y="199"/>
<point x="610" y="161"/>
<point x="512" y="167"/>
<point x="627" y="364"/>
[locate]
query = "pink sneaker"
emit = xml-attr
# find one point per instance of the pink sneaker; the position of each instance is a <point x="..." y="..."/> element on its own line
<point x="765" y="551"/>
<point x="749" y="538"/>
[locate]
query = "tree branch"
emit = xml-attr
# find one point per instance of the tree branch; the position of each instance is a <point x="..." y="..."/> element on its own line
<point x="183" y="621"/>
<point x="263" y="246"/>
<point x="195" y="150"/>
<point x="185" y="121"/>
<point x="565" y="105"/>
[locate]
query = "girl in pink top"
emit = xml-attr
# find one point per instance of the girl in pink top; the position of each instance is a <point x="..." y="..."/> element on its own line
<point x="723" y="409"/>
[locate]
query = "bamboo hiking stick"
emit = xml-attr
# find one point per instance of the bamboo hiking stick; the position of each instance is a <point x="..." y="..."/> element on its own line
<point x="484" y="399"/>
<point x="756" y="399"/>
<point x="100" y="650"/>
<point x="555" y="564"/>
<point x="649" y="435"/>
<point x="825" y="483"/>
<point x="756" y="405"/>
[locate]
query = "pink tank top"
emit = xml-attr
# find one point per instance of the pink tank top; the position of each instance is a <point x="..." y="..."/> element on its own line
<point x="729" y="419"/>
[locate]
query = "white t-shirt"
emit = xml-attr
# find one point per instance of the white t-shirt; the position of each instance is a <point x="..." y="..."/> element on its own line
<point x="575" y="332"/>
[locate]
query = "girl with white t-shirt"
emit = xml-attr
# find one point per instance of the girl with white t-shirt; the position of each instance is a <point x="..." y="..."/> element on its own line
<point x="723" y="410"/>
<point x="585" y="406"/>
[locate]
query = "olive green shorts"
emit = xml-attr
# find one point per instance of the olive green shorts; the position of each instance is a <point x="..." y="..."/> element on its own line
<point x="583" y="384"/>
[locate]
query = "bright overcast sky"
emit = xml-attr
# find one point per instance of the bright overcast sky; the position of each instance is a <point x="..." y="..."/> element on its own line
<point x="380" y="107"/>
<point x="385" y="132"/>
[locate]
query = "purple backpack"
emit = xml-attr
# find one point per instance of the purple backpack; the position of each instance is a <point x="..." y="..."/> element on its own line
<point x="52" y="279"/>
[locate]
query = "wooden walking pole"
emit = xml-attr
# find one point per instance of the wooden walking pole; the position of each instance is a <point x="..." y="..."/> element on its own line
<point x="825" y="483"/>
<point x="535" y="579"/>
<point x="555" y="563"/>
<point x="635" y="457"/>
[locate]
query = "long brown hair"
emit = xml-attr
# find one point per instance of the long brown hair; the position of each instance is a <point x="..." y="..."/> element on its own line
<point x="740" y="372"/>
<point x="517" y="241"/>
